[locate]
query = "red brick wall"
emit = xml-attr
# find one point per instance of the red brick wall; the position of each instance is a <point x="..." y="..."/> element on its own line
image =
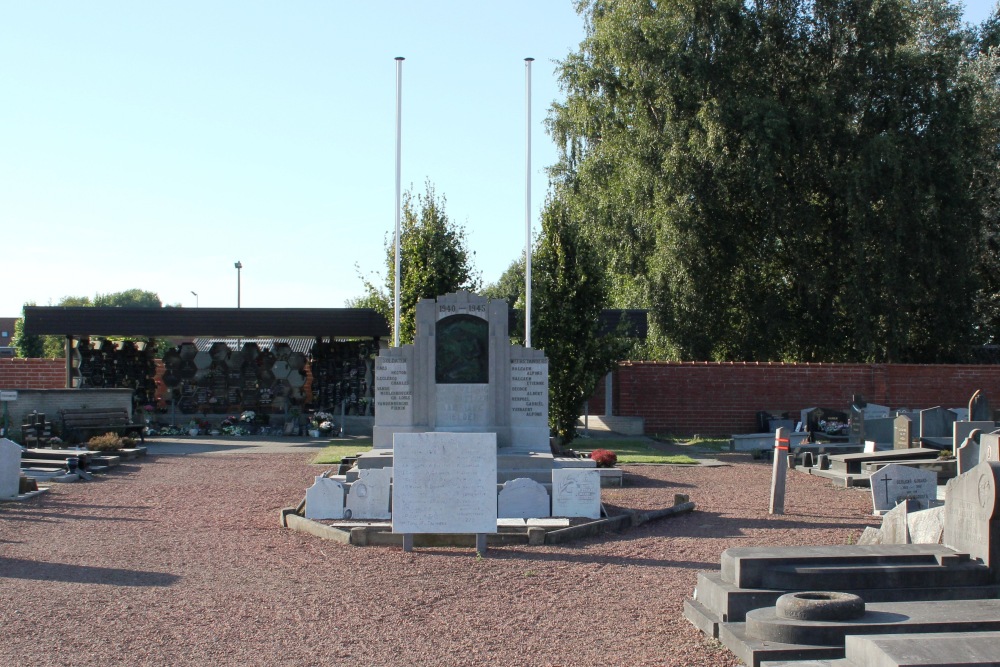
<point x="32" y="373"/>
<point x="723" y="398"/>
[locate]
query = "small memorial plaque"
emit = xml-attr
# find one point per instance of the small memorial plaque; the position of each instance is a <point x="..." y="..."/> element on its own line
<point x="444" y="483"/>
<point x="325" y="499"/>
<point x="368" y="496"/>
<point x="393" y="394"/>
<point x="576" y="492"/>
<point x="895" y="483"/>
<point x="523" y="498"/>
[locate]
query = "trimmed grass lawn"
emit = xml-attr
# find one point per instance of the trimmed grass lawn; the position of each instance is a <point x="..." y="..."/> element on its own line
<point x="341" y="447"/>
<point x="630" y="450"/>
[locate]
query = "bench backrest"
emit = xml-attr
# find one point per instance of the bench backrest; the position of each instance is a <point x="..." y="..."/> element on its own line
<point x="96" y="417"/>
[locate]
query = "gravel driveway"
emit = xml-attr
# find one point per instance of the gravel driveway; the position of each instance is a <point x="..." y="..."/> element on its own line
<point x="180" y="560"/>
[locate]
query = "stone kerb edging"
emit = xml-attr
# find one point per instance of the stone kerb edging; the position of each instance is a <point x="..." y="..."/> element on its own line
<point x="381" y="533"/>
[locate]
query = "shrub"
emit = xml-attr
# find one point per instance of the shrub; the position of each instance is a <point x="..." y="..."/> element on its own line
<point x="605" y="458"/>
<point x="108" y="442"/>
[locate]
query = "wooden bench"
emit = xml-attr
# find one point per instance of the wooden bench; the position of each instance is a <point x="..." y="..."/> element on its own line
<point x="81" y="424"/>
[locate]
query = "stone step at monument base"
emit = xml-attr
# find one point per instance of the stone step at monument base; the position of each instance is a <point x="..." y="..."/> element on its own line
<point x="722" y="601"/>
<point x="940" y="649"/>
<point x="769" y="635"/>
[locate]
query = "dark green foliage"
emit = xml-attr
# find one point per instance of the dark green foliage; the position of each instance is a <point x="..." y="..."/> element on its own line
<point x="568" y="295"/>
<point x="785" y="180"/>
<point x="133" y="298"/>
<point x="434" y="260"/>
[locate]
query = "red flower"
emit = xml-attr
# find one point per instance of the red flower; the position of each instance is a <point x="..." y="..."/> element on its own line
<point x="605" y="458"/>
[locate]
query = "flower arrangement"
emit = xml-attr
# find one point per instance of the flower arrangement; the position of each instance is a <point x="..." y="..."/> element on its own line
<point x="235" y="430"/>
<point x="231" y="420"/>
<point x="248" y="417"/>
<point x="323" y="421"/>
<point x="605" y="458"/>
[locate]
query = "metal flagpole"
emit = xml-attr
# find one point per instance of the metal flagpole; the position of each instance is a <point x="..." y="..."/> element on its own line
<point x="399" y="141"/>
<point x="527" y="202"/>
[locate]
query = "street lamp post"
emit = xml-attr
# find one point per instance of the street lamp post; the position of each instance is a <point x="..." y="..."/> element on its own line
<point x="238" y="265"/>
<point x="195" y="298"/>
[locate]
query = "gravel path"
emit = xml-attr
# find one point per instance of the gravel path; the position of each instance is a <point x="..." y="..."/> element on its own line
<point x="180" y="560"/>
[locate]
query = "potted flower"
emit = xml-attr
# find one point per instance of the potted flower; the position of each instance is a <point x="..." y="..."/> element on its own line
<point x="193" y="428"/>
<point x="605" y="458"/>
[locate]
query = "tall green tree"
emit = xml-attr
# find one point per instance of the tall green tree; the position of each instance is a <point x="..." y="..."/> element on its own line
<point x="782" y="180"/>
<point x="434" y="260"/>
<point x="132" y="298"/>
<point x="569" y="294"/>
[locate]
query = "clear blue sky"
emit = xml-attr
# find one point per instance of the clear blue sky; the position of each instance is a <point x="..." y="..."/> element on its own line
<point x="152" y="145"/>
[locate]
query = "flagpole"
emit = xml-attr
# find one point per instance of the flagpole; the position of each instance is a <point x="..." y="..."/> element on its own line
<point x="399" y="142"/>
<point x="527" y="202"/>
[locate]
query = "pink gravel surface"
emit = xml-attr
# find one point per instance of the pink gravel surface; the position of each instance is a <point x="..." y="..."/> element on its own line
<point x="181" y="561"/>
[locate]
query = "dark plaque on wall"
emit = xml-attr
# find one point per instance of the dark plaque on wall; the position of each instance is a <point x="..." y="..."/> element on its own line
<point x="462" y="350"/>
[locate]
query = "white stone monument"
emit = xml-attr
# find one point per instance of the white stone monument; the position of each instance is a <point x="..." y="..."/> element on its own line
<point x="325" y="499"/>
<point x="576" y="492"/>
<point x="444" y="483"/>
<point x="10" y="468"/>
<point x="368" y="496"/>
<point x="523" y="498"/>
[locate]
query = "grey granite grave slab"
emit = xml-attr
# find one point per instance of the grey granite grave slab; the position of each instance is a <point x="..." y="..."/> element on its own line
<point x="325" y="499"/>
<point x="368" y="496"/>
<point x="444" y="483"/>
<point x="765" y="628"/>
<point x="938" y="649"/>
<point x="523" y="498"/>
<point x="894" y="483"/>
<point x="576" y="492"/>
<point x="971" y="523"/>
<point x="10" y="468"/>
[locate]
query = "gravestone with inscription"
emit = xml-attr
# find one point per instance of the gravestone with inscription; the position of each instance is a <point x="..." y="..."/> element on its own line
<point x="971" y="522"/>
<point x="894" y="483"/>
<point x="444" y="483"/>
<point x="979" y="407"/>
<point x="902" y="432"/>
<point x="576" y="492"/>
<point x="461" y="374"/>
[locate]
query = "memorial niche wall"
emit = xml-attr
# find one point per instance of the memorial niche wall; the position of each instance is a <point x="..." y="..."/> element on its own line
<point x="126" y="364"/>
<point x="272" y="377"/>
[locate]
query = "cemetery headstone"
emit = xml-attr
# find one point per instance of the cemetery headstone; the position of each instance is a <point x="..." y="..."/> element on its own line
<point x="902" y="430"/>
<point x="936" y="422"/>
<point x="879" y="430"/>
<point x="523" y="498"/>
<point x="926" y="526"/>
<point x="576" y="492"/>
<point x="895" y="483"/>
<point x="368" y="496"/>
<point x="10" y="468"/>
<point x="971" y="524"/>
<point x="968" y="452"/>
<point x="325" y="499"/>
<point x="962" y="430"/>
<point x="979" y="407"/>
<point x="444" y="483"/>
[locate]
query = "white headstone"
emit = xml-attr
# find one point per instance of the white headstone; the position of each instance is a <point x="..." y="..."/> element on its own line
<point x="325" y="499"/>
<point x="576" y="492"/>
<point x="368" y="496"/>
<point x="10" y="468"/>
<point x="869" y="446"/>
<point x="895" y="483"/>
<point x="523" y="498"/>
<point x="444" y="483"/>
